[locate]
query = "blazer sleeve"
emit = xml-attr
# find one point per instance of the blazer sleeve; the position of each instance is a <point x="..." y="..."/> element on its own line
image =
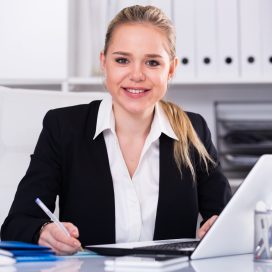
<point x="214" y="190"/>
<point x="43" y="180"/>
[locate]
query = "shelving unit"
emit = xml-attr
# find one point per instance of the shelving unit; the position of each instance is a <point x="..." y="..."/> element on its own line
<point x="67" y="40"/>
<point x="72" y="27"/>
<point x="71" y="84"/>
<point x="244" y="133"/>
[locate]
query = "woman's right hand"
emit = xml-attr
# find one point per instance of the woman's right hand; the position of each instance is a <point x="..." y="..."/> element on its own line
<point x="51" y="236"/>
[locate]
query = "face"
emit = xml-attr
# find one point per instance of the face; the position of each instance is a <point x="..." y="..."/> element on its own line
<point x="137" y="67"/>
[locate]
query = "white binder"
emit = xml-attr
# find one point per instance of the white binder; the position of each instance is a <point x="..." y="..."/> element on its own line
<point x="227" y="38"/>
<point x="250" y="37"/>
<point x="266" y="32"/>
<point x="81" y="62"/>
<point x="98" y="14"/>
<point x="183" y="15"/>
<point x="206" y="38"/>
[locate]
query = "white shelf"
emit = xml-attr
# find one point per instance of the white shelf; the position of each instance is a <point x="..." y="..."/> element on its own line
<point x="192" y="81"/>
<point x="73" y="81"/>
<point x="85" y="80"/>
<point x="18" y="82"/>
<point x="219" y="81"/>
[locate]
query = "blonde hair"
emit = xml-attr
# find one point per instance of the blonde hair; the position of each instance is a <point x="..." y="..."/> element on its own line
<point x="187" y="136"/>
<point x="144" y="14"/>
<point x="178" y="119"/>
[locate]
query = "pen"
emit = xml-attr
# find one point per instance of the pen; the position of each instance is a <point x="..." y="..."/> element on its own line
<point x="53" y="218"/>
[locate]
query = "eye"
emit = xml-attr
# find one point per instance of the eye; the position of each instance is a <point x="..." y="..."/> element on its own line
<point x="152" y="63"/>
<point x="122" y="60"/>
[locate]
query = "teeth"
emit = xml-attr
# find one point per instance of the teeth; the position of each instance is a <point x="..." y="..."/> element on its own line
<point x="135" y="91"/>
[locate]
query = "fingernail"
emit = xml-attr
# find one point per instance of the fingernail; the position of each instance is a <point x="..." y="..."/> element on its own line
<point x="76" y="244"/>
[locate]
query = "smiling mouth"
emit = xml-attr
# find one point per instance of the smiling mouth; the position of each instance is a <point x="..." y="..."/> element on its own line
<point x="136" y="91"/>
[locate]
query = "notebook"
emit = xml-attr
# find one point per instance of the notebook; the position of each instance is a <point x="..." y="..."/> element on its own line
<point x="26" y="252"/>
<point x="231" y="234"/>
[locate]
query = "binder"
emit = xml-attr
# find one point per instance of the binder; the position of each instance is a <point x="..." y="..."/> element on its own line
<point x="227" y="38"/>
<point x="99" y="13"/>
<point x="81" y="65"/>
<point x="266" y="40"/>
<point x="205" y="38"/>
<point x="183" y="16"/>
<point x="26" y="252"/>
<point x="250" y="37"/>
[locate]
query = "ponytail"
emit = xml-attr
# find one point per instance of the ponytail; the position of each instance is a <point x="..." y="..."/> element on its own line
<point x="187" y="136"/>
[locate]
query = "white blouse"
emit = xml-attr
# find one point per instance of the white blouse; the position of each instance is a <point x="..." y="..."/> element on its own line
<point x="136" y="198"/>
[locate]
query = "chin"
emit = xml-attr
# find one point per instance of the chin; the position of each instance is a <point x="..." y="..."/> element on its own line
<point x="138" y="110"/>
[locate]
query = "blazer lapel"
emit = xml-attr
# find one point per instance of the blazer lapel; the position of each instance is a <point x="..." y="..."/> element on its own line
<point x="106" y="204"/>
<point x="177" y="203"/>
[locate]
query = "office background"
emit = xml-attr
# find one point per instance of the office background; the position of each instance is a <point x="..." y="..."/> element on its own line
<point x="225" y="49"/>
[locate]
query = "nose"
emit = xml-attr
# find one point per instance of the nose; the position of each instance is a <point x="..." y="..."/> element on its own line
<point x="137" y="74"/>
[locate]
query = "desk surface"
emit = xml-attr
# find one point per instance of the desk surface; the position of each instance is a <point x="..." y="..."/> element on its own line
<point x="239" y="263"/>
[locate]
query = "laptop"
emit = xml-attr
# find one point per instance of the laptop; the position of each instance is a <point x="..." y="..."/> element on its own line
<point x="231" y="234"/>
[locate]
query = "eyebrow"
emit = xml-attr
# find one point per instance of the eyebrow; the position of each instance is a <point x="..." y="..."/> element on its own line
<point x="128" y="54"/>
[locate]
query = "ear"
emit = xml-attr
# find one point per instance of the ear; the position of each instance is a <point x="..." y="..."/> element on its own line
<point x="102" y="61"/>
<point x="173" y="65"/>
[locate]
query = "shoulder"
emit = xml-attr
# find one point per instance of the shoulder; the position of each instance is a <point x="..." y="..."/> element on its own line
<point x="74" y="112"/>
<point x="72" y="117"/>
<point x="77" y="110"/>
<point x="198" y="122"/>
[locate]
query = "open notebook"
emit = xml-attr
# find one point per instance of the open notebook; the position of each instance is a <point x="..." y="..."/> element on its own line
<point x="232" y="233"/>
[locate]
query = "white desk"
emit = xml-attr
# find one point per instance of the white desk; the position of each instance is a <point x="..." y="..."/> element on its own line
<point x="240" y="263"/>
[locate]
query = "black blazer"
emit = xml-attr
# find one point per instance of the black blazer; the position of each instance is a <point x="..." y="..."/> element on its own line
<point x="69" y="163"/>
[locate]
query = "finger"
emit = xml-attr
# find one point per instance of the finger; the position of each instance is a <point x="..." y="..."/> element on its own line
<point x="58" y="240"/>
<point x="201" y="233"/>
<point x="206" y="226"/>
<point x="44" y="243"/>
<point x="64" y="249"/>
<point x="213" y="218"/>
<point x="209" y="222"/>
<point x="61" y="237"/>
<point x="72" y="229"/>
<point x="61" y="247"/>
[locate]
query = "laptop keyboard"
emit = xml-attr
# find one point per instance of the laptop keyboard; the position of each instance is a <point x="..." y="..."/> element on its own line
<point x="179" y="246"/>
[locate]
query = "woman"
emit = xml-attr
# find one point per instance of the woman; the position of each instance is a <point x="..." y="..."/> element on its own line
<point x="129" y="168"/>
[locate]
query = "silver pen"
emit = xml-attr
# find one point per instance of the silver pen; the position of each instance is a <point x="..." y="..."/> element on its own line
<point x="52" y="216"/>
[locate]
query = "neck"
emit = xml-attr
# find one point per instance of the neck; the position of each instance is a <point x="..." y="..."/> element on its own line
<point x="132" y="125"/>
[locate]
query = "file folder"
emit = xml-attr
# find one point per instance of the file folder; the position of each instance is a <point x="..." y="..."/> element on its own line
<point x="227" y="38"/>
<point x="99" y="14"/>
<point x="25" y="252"/>
<point x="184" y="20"/>
<point x="266" y="32"/>
<point x="250" y="37"/>
<point x="81" y="65"/>
<point x="206" y="38"/>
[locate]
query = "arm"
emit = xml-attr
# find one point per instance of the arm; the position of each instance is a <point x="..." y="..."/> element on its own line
<point x="213" y="188"/>
<point x="43" y="180"/>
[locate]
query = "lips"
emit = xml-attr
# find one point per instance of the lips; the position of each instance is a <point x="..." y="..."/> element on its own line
<point x="136" y="90"/>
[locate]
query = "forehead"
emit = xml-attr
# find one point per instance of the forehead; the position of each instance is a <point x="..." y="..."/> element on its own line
<point x="135" y="37"/>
